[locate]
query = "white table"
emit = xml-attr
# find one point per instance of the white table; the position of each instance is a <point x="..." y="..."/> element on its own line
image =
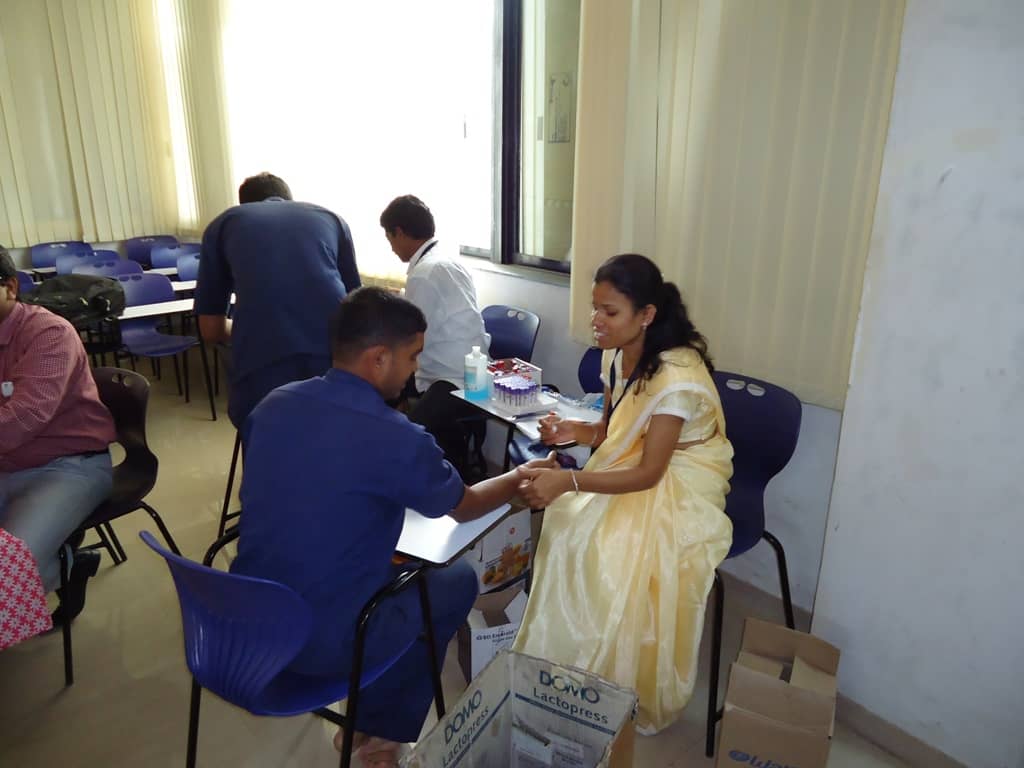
<point x="183" y="285"/>
<point x="44" y="270"/>
<point x="163" y="271"/>
<point x="155" y="310"/>
<point x="441" y="540"/>
<point x="529" y="424"/>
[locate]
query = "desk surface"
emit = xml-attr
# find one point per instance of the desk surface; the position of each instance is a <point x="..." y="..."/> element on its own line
<point x="183" y="285"/>
<point x="440" y="540"/>
<point x="43" y="270"/>
<point x="163" y="271"/>
<point x="530" y="425"/>
<point x="154" y="310"/>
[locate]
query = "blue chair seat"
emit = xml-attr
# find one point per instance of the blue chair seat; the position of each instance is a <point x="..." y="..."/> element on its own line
<point x="148" y="342"/>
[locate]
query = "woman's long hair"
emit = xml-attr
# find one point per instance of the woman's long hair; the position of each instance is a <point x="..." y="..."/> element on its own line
<point x="639" y="279"/>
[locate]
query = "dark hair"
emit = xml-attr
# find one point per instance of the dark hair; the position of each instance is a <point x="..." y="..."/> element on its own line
<point x="639" y="279"/>
<point x="410" y="214"/>
<point x="7" y="268"/>
<point x="261" y="186"/>
<point x="372" y="316"/>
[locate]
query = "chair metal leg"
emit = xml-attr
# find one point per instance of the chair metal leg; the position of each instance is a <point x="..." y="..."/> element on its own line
<point x="718" y="590"/>
<point x="216" y="372"/>
<point x="780" y="556"/>
<point x="231" y="482"/>
<point x="106" y="544"/>
<point x="112" y="536"/>
<point x="184" y="366"/>
<point x="163" y="528"/>
<point x="177" y="374"/>
<point x="435" y="664"/>
<point x="69" y="666"/>
<point x="193" y="725"/>
<point x="206" y="375"/>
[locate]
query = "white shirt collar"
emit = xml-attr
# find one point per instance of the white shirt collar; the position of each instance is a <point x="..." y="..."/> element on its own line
<point x="419" y="254"/>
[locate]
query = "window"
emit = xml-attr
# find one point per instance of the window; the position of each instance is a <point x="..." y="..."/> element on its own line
<point x="356" y="103"/>
<point x="539" y="75"/>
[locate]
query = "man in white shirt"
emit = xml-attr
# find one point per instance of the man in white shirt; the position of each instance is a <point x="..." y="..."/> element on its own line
<point x="443" y="290"/>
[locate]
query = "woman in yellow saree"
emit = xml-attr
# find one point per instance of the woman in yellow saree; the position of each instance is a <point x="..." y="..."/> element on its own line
<point x="630" y="543"/>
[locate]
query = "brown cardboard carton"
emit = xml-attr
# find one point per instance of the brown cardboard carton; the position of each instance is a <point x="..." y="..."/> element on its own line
<point x="490" y="627"/>
<point x="503" y="554"/>
<point x="781" y="700"/>
<point x="524" y="712"/>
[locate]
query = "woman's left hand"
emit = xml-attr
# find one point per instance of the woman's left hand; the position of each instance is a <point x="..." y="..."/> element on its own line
<point x="539" y="487"/>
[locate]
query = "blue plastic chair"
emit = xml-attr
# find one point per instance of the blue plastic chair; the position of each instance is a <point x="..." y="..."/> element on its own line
<point x="45" y="255"/>
<point x="522" y="449"/>
<point x="188" y="266"/>
<point x="163" y="256"/>
<point x="763" y="424"/>
<point x="107" y="253"/>
<point x="68" y="261"/>
<point x="139" y="248"/>
<point x="513" y="331"/>
<point x="142" y="338"/>
<point x="242" y="632"/>
<point x="109" y="268"/>
<point x="25" y="282"/>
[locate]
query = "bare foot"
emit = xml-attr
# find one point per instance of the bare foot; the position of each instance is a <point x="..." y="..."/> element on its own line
<point x="358" y="739"/>
<point x="380" y="753"/>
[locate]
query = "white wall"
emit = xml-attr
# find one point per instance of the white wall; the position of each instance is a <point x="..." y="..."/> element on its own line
<point x="797" y="500"/>
<point x="922" y="580"/>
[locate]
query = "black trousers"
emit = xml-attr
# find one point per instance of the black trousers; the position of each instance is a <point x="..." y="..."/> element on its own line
<point x="439" y="413"/>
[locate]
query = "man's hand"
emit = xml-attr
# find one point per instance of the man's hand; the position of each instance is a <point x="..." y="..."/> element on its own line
<point x="548" y="462"/>
<point x="539" y="487"/>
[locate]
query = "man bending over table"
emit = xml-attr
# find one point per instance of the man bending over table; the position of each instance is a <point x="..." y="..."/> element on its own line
<point x="330" y="470"/>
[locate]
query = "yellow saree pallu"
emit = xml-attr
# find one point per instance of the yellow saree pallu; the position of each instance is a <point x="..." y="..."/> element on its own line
<point x="621" y="581"/>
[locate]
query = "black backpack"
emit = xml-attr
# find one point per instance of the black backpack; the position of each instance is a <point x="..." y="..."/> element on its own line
<point x="80" y="299"/>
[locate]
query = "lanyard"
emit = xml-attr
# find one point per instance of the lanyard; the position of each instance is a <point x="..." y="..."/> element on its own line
<point x="426" y="251"/>
<point x="625" y="389"/>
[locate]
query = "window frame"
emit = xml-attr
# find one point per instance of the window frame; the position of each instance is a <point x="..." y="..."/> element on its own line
<point x="507" y="148"/>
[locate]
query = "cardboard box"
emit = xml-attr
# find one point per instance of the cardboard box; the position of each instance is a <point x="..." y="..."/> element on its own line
<point x="503" y="555"/>
<point x="781" y="701"/>
<point x="491" y="627"/>
<point x="525" y="712"/>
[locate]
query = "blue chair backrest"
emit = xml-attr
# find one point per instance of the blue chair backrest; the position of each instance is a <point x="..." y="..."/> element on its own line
<point x="163" y="256"/>
<point x="139" y="248"/>
<point x="762" y="421"/>
<point x="240" y="632"/>
<point x="589" y="372"/>
<point x="188" y="266"/>
<point x="108" y="254"/>
<point x="25" y="282"/>
<point x="109" y="268"/>
<point x="45" y="255"/>
<point x="67" y="262"/>
<point x="146" y="288"/>
<point x="513" y="331"/>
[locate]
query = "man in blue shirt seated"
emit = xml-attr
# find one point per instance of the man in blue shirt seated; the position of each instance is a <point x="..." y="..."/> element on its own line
<point x="330" y="470"/>
<point x="288" y="264"/>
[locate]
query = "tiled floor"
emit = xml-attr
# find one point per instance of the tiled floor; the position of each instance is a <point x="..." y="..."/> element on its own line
<point x="129" y="704"/>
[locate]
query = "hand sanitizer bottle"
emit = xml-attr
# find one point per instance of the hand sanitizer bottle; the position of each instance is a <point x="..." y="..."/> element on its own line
<point x="476" y="375"/>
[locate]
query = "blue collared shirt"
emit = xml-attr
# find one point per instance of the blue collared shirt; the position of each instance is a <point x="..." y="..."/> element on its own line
<point x="329" y="472"/>
<point x="289" y="264"/>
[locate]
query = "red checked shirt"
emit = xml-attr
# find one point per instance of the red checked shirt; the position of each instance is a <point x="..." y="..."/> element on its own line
<point x="49" y="405"/>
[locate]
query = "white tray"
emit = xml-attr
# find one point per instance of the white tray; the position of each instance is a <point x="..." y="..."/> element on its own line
<point x="545" y="403"/>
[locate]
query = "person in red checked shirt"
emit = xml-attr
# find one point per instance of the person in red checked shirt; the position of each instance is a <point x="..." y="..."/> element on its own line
<point x="55" y="435"/>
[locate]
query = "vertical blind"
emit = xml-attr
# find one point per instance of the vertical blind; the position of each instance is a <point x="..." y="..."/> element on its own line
<point x="768" y="122"/>
<point x="82" y="152"/>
